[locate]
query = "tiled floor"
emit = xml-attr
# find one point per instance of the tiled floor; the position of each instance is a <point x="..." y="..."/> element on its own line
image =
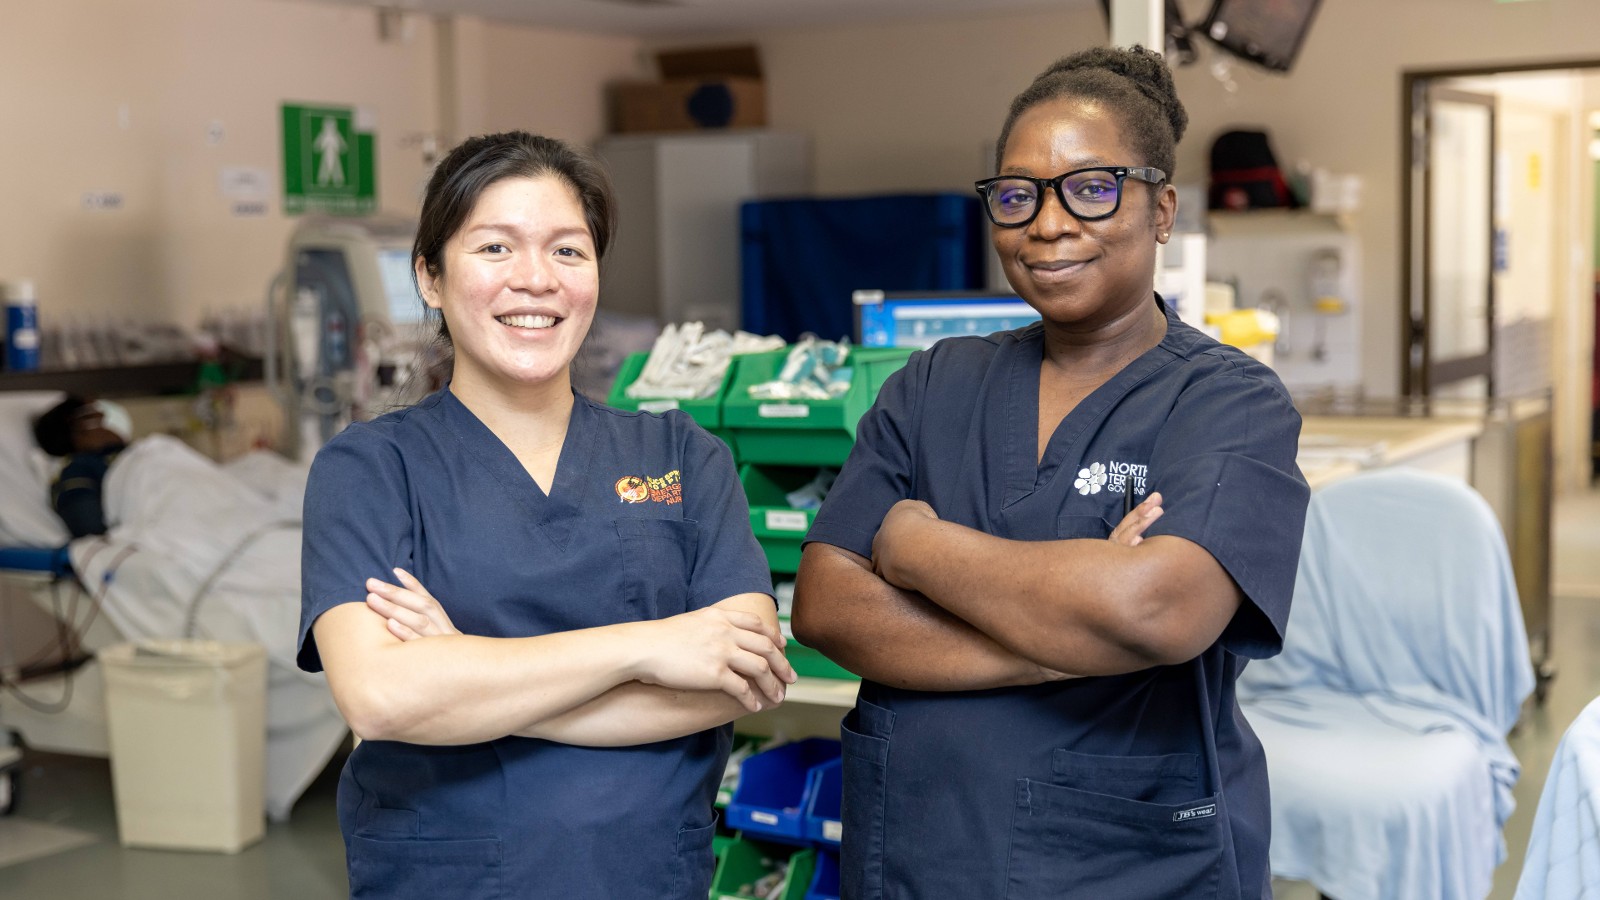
<point x="303" y="860"/>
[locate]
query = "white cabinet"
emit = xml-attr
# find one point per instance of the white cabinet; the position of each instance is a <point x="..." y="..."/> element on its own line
<point x="676" y="256"/>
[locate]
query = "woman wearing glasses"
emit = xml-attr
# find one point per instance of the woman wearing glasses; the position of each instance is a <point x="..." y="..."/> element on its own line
<point x="555" y="723"/>
<point x="1046" y="712"/>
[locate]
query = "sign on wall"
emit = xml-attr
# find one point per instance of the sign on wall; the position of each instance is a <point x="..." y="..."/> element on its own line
<point x="328" y="164"/>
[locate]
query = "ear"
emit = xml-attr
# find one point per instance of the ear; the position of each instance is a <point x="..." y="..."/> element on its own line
<point x="1166" y="212"/>
<point x="427" y="284"/>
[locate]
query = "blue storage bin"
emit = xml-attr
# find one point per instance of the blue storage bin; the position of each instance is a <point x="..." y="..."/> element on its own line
<point x="823" y="793"/>
<point x="771" y="801"/>
<point x="825" y="881"/>
<point x="802" y="259"/>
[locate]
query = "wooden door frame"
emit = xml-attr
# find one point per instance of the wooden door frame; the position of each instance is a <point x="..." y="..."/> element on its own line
<point x="1411" y="81"/>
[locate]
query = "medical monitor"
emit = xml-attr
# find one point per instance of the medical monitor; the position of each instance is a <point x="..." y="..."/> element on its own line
<point x="918" y="318"/>
<point x="1266" y="32"/>
<point x="399" y="285"/>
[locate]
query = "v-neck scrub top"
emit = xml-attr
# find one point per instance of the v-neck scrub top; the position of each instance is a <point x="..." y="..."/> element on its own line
<point x="645" y="519"/>
<point x="1149" y="784"/>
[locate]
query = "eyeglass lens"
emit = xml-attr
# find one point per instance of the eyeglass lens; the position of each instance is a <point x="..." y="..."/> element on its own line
<point x="1088" y="195"/>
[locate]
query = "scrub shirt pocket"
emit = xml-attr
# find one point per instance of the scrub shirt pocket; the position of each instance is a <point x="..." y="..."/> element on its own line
<point x="865" y="736"/>
<point x="393" y="869"/>
<point x="1143" y="831"/>
<point x="696" y="865"/>
<point x="657" y="560"/>
<point x="1093" y="527"/>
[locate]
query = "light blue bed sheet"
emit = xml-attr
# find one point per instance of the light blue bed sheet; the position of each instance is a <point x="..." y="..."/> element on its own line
<point x="1563" y="859"/>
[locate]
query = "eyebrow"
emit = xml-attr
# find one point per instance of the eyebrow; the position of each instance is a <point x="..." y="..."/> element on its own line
<point x="1094" y="163"/>
<point x="512" y="229"/>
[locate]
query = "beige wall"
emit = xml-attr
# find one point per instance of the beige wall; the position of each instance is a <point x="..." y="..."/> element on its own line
<point x="907" y="107"/>
<point x="901" y="107"/>
<point x="175" y="250"/>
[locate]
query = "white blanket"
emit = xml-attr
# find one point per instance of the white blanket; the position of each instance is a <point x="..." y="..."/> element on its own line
<point x="198" y="550"/>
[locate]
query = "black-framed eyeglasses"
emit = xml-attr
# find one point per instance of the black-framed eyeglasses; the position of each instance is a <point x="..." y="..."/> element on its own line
<point x="1013" y="201"/>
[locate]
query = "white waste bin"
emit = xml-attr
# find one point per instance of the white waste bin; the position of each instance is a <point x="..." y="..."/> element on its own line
<point x="187" y="726"/>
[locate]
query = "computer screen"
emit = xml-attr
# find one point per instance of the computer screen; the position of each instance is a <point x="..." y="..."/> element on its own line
<point x="394" y="267"/>
<point x="918" y="319"/>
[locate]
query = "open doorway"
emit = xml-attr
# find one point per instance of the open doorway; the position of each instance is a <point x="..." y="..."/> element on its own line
<point x="1500" y="273"/>
<point x="1500" y="201"/>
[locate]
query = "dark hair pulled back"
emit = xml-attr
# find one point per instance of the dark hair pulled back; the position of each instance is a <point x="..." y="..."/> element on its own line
<point x="1135" y="83"/>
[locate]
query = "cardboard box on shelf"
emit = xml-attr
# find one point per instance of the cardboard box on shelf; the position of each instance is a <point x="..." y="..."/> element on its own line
<point x="714" y="87"/>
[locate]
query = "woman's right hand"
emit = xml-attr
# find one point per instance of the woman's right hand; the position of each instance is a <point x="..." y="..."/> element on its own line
<point x="409" y="609"/>
<point x="716" y="649"/>
<point x="1130" y="531"/>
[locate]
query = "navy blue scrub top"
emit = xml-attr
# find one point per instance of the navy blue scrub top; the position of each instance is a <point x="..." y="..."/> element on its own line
<point x="645" y="519"/>
<point x="1144" y="785"/>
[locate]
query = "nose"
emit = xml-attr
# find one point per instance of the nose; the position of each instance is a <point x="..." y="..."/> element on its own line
<point x="534" y="273"/>
<point x="1053" y="220"/>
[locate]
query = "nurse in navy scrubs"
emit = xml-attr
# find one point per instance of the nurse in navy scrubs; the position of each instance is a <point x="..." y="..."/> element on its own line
<point x="555" y="723"/>
<point x="1046" y="713"/>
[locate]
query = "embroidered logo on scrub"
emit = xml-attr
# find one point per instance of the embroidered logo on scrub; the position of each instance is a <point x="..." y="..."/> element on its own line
<point x="1199" y="812"/>
<point x="1091" y="480"/>
<point x="667" y="489"/>
<point x="1114" y="477"/>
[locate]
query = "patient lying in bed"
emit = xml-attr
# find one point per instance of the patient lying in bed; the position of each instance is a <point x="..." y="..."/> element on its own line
<point x="185" y="548"/>
<point x="86" y="436"/>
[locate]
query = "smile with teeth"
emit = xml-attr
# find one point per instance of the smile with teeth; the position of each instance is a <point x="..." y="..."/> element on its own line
<point x="527" y="321"/>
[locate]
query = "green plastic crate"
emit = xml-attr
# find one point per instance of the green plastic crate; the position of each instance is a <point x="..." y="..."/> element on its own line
<point x="746" y="861"/>
<point x="802" y="432"/>
<point x="706" y="412"/>
<point x="779" y="527"/>
<point x="812" y="663"/>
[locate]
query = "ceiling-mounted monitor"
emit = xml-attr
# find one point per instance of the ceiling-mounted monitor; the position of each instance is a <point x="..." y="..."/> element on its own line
<point x="1266" y="32"/>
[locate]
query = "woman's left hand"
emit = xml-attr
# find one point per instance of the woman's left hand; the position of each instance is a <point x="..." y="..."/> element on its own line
<point x="894" y="540"/>
<point x="411" y="612"/>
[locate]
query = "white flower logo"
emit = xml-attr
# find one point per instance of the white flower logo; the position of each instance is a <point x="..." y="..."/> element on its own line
<point x="1090" y="480"/>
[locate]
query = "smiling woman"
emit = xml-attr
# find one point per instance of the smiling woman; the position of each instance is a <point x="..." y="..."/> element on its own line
<point x="544" y="676"/>
<point x="1120" y="501"/>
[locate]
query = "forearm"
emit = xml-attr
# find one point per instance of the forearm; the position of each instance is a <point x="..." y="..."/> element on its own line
<point x="461" y="689"/>
<point x="896" y="637"/>
<point x="1093" y="607"/>
<point x="637" y="713"/>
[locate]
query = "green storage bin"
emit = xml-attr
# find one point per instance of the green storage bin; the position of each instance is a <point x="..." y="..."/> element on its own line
<point x="746" y="861"/>
<point x="802" y="432"/>
<point x="706" y="412"/>
<point x="779" y="527"/>
<point x="812" y="663"/>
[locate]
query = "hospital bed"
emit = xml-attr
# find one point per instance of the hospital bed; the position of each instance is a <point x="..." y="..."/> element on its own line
<point x="195" y="550"/>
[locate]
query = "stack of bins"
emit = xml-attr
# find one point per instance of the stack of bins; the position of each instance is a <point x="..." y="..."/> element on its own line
<point x="782" y="445"/>
<point x="785" y="812"/>
<point x="786" y="808"/>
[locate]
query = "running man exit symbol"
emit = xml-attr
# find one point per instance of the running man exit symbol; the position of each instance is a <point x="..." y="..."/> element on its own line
<point x="330" y="147"/>
<point x="328" y="164"/>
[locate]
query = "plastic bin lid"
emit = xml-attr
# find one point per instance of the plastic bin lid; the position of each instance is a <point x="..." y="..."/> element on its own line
<point x="177" y="652"/>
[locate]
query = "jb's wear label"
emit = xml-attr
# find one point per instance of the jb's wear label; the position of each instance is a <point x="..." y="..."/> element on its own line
<point x="1199" y="812"/>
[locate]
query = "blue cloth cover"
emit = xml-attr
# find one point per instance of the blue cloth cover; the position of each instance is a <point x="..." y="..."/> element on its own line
<point x="1384" y="718"/>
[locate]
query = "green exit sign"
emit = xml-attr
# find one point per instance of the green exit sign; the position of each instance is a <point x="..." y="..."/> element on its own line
<point x="328" y="163"/>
